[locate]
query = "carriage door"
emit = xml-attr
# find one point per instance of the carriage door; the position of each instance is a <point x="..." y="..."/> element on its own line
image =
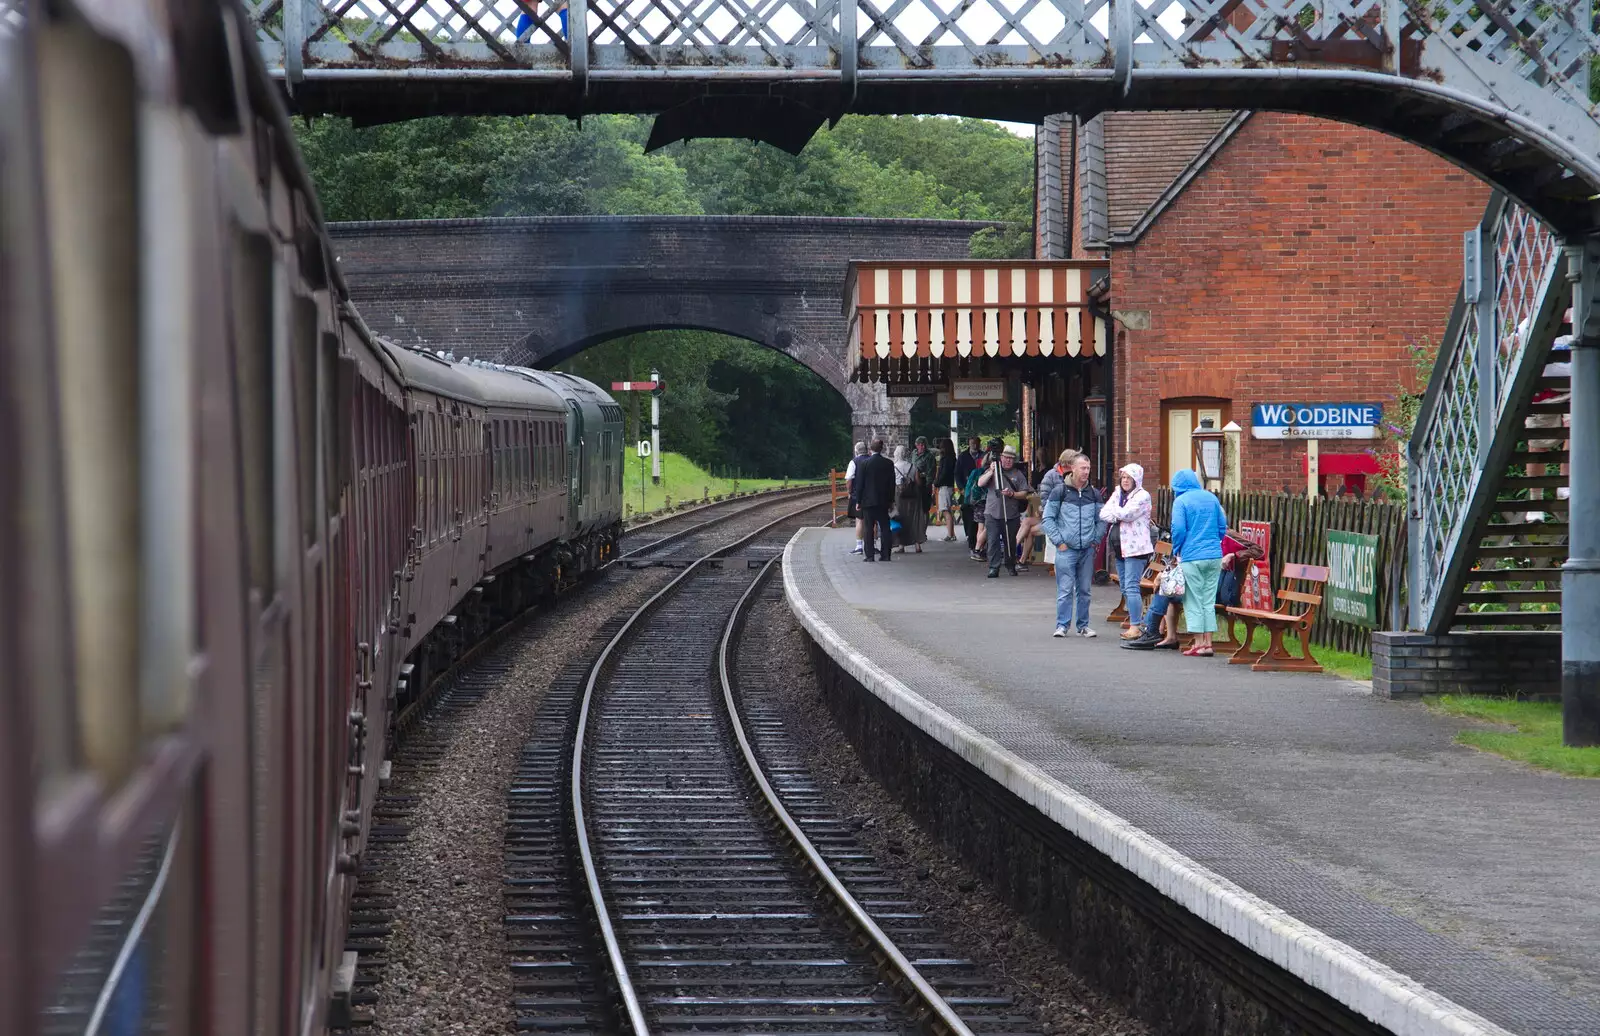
<point x="575" y="454"/>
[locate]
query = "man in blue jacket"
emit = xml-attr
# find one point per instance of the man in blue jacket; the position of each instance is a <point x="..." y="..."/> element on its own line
<point x="1072" y="522"/>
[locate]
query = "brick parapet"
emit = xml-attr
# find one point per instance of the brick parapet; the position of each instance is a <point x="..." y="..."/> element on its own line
<point x="1409" y="665"/>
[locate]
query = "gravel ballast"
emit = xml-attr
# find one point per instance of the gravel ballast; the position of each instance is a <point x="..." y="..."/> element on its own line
<point x="980" y="925"/>
<point x="447" y="970"/>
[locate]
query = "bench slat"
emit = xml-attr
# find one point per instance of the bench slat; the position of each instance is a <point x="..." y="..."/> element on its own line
<point x="1296" y="595"/>
<point x="1310" y="573"/>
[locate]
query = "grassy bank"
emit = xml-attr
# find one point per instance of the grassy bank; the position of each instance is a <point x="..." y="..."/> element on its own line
<point x="1527" y="731"/>
<point x="681" y="480"/>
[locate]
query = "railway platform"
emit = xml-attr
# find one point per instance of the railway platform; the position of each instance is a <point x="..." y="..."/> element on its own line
<point x="1345" y="838"/>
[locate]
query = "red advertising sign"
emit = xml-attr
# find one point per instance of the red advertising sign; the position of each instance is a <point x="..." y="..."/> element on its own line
<point x="1255" y="589"/>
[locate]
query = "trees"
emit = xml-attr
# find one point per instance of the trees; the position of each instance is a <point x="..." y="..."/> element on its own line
<point x="722" y="389"/>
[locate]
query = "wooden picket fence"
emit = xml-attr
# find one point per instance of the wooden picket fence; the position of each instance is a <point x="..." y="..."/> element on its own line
<point x="1300" y="536"/>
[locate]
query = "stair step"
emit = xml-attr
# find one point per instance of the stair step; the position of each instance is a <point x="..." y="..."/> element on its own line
<point x="1514" y="575"/>
<point x="1550" y="408"/>
<point x="1553" y="383"/>
<point x="1514" y="482"/>
<point x="1541" y="457"/>
<point x="1551" y="505"/>
<point x="1526" y="529"/>
<point x="1511" y="597"/>
<point x="1524" y="550"/>
<point x="1506" y="619"/>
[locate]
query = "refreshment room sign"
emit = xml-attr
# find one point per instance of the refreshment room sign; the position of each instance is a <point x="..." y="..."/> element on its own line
<point x="1315" y="420"/>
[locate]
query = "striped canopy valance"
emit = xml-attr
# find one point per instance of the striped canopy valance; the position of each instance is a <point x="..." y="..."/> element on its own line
<point x="960" y="309"/>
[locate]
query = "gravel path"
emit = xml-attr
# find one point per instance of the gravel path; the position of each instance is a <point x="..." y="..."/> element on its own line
<point x="447" y="970"/>
<point x="981" y="926"/>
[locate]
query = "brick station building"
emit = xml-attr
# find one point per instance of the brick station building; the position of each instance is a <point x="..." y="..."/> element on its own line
<point x="1254" y="258"/>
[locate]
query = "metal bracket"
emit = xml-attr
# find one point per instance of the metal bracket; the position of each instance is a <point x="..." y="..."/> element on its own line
<point x="294" y="42"/>
<point x="1583" y="272"/>
<point x="1122" y="44"/>
<point x="578" y="45"/>
<point x="849" y="54"/>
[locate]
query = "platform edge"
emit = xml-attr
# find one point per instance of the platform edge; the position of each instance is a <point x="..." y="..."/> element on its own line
<point x="1367" y="986"/>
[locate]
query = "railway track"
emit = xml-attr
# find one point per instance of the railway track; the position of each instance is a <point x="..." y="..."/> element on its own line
<point x="425" y="730"/>
<point x="671" y="866"/>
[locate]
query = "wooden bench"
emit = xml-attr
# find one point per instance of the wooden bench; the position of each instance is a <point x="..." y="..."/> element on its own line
<point x="1276" y="658"/>
<point x="1147" y="582"/>
<point x="1222" y="639"/>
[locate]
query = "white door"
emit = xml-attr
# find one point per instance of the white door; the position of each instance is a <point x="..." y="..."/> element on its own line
<point x="1181" y="423"/>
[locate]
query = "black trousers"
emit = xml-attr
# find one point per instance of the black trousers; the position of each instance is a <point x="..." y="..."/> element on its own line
<point x="969" y="522"/>
<point x="1001" y="536"/>
<point x="876" y="531"/>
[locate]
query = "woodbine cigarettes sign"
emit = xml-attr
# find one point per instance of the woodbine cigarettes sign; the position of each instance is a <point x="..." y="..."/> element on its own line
<point x="1352" y="590"/>
<point x="1315" y="420"/>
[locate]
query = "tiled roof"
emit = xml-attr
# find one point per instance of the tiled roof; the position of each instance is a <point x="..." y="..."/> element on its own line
<point x="1145" y="152"/>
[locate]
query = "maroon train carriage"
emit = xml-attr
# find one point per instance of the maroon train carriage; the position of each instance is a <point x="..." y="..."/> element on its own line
<point x="230" y="520"/>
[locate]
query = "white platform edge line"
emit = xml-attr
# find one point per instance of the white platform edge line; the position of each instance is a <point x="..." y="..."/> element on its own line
<point x="1367" y="986"/>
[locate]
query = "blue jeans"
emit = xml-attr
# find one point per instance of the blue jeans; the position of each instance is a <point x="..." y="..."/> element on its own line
<point x="1158" y="608"/>
<point x="1129" y="570"/>
<point x="1074" y="570"/>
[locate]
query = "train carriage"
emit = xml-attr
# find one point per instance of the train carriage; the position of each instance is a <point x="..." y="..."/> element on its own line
<point x="230" y="519"/>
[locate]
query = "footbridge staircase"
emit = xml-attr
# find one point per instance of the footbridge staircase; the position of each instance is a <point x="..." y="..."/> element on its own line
<point x="1489" y="452"/>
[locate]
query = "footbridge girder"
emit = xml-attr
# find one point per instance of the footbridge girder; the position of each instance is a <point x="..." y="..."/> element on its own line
<point x="1499" y="86"/>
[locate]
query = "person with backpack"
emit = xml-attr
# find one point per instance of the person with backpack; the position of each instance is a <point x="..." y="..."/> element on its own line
<point x="1073" y="524"/>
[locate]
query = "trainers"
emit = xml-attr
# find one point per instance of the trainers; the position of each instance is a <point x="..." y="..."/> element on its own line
<point x="857" y="550"/>
<point x="1087" y="632"/>
<point x="1061" y="631"/>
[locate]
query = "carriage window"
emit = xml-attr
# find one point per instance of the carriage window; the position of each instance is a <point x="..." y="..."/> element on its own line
<point x="89" y="157"/>
<point x="253" y="389"/>
<point x="303" y="376"/>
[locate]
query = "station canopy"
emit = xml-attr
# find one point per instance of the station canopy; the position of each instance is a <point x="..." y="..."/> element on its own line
<point x="932" y="321"/>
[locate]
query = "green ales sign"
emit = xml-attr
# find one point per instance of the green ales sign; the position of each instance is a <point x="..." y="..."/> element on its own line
<point x="1352" y="591"/>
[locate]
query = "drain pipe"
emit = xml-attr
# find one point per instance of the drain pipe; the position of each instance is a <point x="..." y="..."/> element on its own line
<point x="1580" y="576"/>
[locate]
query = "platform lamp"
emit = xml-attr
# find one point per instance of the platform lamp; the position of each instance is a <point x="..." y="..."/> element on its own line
<point x="1096" y="405"/>
<point x="1210" y="458"/>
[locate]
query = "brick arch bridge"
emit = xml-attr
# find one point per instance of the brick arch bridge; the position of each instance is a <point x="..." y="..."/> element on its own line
<point x="534" y="291"/>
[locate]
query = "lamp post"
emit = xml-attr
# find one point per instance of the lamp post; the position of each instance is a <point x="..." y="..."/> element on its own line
<point x="1096" y="405"/>
<point x="1210" y="459"/>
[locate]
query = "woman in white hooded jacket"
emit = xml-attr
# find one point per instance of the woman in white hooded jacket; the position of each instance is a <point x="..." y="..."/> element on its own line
<point x="1128" y="507"/>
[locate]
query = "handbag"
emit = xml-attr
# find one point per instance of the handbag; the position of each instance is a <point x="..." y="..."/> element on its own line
<point x="1114" y="540"/>
<point x="1228" y="588"/>
<point x="1171" y="583"/>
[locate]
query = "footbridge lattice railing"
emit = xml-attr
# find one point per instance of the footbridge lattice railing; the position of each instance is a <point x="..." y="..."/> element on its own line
<point x="1549" y="43"/>
<point x="1513" y="295"/>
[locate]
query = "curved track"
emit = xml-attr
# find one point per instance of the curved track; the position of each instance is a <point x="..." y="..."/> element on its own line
<point x="719" y="909"/>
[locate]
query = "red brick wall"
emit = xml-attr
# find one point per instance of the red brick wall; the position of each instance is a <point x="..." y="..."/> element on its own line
<point x="1295" y="268"/>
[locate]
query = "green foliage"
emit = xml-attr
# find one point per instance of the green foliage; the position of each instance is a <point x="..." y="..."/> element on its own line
<point x="1534" y="737"/>
<point x="720" y="390"/>
<point x="1400" y="417"/>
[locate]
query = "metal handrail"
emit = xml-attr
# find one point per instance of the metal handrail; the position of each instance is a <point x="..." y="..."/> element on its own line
<point x="591" y="874"/>
<point x="931" y="1004"/>
<point x="1467" y="425"/>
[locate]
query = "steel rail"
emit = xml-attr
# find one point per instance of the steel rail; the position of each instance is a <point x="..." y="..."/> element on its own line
<point x="619" y="968"/>
<point x="674" y="537"/>
<point x="925" y="1000"/>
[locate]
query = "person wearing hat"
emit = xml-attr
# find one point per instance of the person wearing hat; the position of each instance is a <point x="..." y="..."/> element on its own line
<point x="1002" y="510"/>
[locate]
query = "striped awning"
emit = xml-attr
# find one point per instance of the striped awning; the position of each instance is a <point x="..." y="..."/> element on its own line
<point x="975" y="309"/>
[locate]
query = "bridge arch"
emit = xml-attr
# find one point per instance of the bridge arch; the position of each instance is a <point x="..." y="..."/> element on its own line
<point x="537" y="290"/>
